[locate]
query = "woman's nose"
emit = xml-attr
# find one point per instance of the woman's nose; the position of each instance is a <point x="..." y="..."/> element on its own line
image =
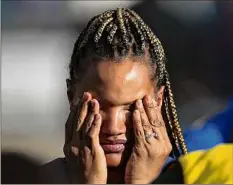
<point x="113" y="123"/>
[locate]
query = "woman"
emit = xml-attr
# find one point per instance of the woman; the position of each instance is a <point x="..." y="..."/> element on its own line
<point x="123" y="123"/>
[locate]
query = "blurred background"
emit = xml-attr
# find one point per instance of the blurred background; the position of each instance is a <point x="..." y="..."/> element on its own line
<point x="37" y="41"/>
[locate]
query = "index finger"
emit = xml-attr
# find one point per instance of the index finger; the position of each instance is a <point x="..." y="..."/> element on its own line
<point x="74" y="120"/>
<point x="69" y="127"/>
<point x="151" y="109"/>
<point x="155" y="117"/>
<point x="83" y="110"/>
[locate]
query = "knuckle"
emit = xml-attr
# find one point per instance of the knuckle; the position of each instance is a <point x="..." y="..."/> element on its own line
<point x="147" y="127"/>
<point x="84" y="105"/>
<point x="139" y="132"/>
<point x="89" y="122"/>
<point x="162" y="123"/>
<point x="75" y="150"/>
<point x="91" y="135"/>
<point x="86" y="150"/>
<point x="88" y="126"/>
<point x="150" y="105"/>
<point x="156" y="123"/>
<point x="139" y="151"/>
<point x="145" y="121"/>
<point x="137" y="122"/>
<point x="79" y="122"/>
<point x="79" y="119"/>
<point x="141" y="110"/>
<point x="97" y="120"/>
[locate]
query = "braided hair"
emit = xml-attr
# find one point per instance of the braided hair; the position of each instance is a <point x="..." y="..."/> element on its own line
<point x="119" y="33"/>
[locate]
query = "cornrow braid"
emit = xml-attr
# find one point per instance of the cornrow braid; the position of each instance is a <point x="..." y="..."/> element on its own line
<point x="174" y="115"/>
<point x="112" y="33"/>
<point x="122" y="25"/>
<point x="170" y="130"/>
<point x="109" y="26"/>
<point x="101" y="29"/>
<point x="135" y="23"/>
<point x="122" y="32"/>
<point x="92" y="27"/>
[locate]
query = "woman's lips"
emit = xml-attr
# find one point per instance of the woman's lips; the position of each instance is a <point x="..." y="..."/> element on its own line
<point x="113" y="148"/>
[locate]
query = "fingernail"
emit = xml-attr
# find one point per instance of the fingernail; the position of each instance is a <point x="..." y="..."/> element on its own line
<point x="85" y="96"/>
<point x="92" y="104"/>
<point x="136" y="113"/>
<point x="139" y="103"/>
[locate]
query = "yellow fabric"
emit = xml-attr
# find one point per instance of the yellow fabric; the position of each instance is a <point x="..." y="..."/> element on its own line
<point x="214" y="166"/>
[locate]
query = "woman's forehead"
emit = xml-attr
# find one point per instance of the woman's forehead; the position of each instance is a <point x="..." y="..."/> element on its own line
<point x="119" y="82"/>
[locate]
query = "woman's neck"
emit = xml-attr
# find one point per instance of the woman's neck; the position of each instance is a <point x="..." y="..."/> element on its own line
<point x="116" y="176"/>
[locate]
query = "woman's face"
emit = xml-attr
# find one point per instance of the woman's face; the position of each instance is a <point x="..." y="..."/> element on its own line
<point x="116" y="86"/>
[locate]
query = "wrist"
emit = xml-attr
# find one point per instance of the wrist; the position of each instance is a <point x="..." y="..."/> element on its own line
<point x="136" y="182"/>
<point x="139" y="181"/>
<point x="96" y="181"/>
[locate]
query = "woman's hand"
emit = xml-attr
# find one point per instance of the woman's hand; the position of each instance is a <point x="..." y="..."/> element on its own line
<point x="82" y="141"/>
<point x="152" y="145"/>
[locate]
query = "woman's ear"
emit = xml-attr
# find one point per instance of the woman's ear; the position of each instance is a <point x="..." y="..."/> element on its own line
<point x="70" y="94"/>
<point x="159" y="97"/>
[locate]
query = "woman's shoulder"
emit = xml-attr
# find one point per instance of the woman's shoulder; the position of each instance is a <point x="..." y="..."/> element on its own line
<point x="54" y="172"/>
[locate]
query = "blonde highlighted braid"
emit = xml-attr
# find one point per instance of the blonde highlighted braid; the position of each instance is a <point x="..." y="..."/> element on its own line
<point x="118" y="33"/>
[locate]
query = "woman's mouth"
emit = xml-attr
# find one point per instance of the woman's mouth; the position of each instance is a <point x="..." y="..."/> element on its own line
<point x="113" y="148"/>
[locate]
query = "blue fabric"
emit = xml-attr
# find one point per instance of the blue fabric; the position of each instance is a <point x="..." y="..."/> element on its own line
<point x="218" y="129"/>
<point x="223" y="121"/>
<point x="204" y="138"/>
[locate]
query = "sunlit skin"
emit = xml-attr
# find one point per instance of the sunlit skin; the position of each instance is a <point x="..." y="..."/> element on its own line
<point x="116" y="86"/>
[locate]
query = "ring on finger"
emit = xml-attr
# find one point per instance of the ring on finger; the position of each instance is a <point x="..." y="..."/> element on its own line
<point x="153" y="134"/>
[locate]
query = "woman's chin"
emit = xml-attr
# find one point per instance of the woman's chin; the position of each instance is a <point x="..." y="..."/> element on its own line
<point x="114" y="159"/>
